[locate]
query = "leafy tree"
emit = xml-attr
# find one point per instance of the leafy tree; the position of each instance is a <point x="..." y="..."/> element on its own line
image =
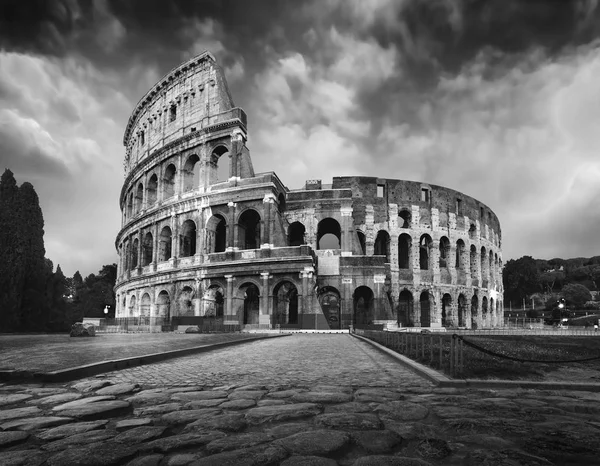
<point x="521" y="278"/>
<point x="576" y="295"/>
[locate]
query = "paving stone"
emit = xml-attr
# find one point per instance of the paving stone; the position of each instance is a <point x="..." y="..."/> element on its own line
<point x="229" y="422"/>
<point x="379" y="395"/>
<point x="90" y="386"/>
<point x="98" y="410"/>
<point x="148" y="397"/>
<point x="381" y="460"/>
<point x="118" y="389"/>
<point x="182" y="459"/>
<point x="257" y="456"/>
<point x="332" y="389"/>
<point x="486" y="457"/>
<point x="181" y="441"/>
<point x="433" y="448"/>
<point x="187" y="416"/>
<point x="15" y="413"/>
<point x="147" y="460"/>
<point x="158" y="409"/>
<point x="236" y="442"/>
<point x="196" y="395"/>
<point x="93" y="454"/>
<point x="56" y="399"/>
<point x="285" y="430"/>
<point x="281" y="413"/>
<point x="44" y="391"/>
<point x="126" y="424"/>
<point x="402" y="410"/>
<point x="199" y="404"/>
<point x="182" y="389"/>
<point x="140" y="434"/>
<point x="8" y="439"/>
<point x="22" y="458"/>
<point x="308" y="461"/>
<point x="34" y="423"/>
<point x="352" y="407"/>
<point x="352" y="421"/>
<point x="284" y="393"/>
<point x="316" y="442"/>
<point x="71" y="429"/>
<point x="270" y="402"/>
<point x="456" y="412"/>
<point x="247" y="395"/>
<point x="13" y="398"/>
<point x="238" y="404"/>
<point x="376" y="441"/>
<point x="82" y="402"/>
<point x="321" y="397"/>
<point x="76" y="440"/>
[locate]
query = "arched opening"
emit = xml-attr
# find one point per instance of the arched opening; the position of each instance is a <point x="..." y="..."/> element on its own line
<point x="491" y="269"/>
<point x="133" y="307"/>
<point x="151" y="189"/>
<point x="191" y="173"/>
<point x="213" y="302"/>
<point x="130" y="205"/>
<point x="404" y="246"/>
<point x="147" y="249"/>
<point x="462" y="310"/>
<point x="281" y="203"/>
<point x="492" y="313"/>
<point x="285" y="309"/>
<point x="164" y="244"/>
<point x="444" y="252"/>
<point x="251" y="303"/>
<point x="249" y="229"/>
<point x="362" y="242"/>
<point x="329" y="299"/>
<point x="425" y="305"/>
<point x="164" y="305"/>
<point x="472" y="231"/>
<point x="404" y="219"/>
<point x="145" y="305"/>
<point x="446" y="310"/>
<point x="139" y="198"/>
<point x="329" y="234"/>
<point x="484" y="312"/>
<point x="168" y="184"/>
<point x="405" y="307"/>
<point x="128" y="257"/>
<point x="459" y="262"/>
<point x="382" y="245"/>
<point x="188" y="238"/>
<point x="296" y="233"/>
<point x="482" y="260"/>
<point x="220" y="161"/>
<point x="474" y="311"/>
<point x="134" y="254"/>
<point x="185" y="303"/>
<point x="425" y="244"/>
<point x="364" y="313"/>
<point x="473" y="261"/>
<point x="216" y="234"/>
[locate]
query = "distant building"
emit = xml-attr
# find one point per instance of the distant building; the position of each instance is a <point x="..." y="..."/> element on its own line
<point x="204" y="235"/>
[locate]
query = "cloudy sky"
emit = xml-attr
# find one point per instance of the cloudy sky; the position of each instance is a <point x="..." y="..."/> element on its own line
<point x="497" y="99"/>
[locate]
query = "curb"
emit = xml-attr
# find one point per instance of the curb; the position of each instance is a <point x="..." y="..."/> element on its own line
<point x="88" y="370"/>
<point x="443" y="381"/>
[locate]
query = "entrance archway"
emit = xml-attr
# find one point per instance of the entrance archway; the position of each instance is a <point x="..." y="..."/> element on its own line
<point x="164" y="305"/>
<point x="405" y="307"/>
<point x="446" y="310"/>
<point x="474" y="311"/>
<point x="462" y="310"/>
<point x="329" y="299"/>
<point x="251" y="303"/>
<point x="425" y="304"/>
<point x="212" y="302"/>
<point x="285" y="308"/>
<point x="249" y="229"/>
<point x="363" y="306"/>
<point x="185" y="302"/>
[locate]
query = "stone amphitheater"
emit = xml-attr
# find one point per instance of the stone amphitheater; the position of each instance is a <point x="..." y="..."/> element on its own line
<point x="203" y="236"/>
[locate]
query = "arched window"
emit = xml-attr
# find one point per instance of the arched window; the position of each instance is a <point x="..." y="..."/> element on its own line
<point x="191" y="173"/>
<point x="483" y="260"/>
<point x="151" y="189"/>
<point x="147" y="249"/>
<point x="425" y="244"/>
<point x="474" y="311"/>
<point x="425" y="304"/>
<point x="484" y="311"/>
<point x="185" y="302"/>
<point x="139" y="198"/>
<point x="473" y="261"/>
<point x="462" y="310"/>
<point x="134" y="253"/>
<point x="216" y="234"/>
<point x="472" y="231"/>
<point x="404" y="246"/>
<point x="220" y="170"/>
<point x="329" y="234"/>
<point x="362" y="242"/>
<point x="404" y="219"/>
<point x="145" y="305"/>
<point x="249" y="229"/>
<point x="382" y="245"/>
<point x="188" y="239"/>
<point x="132" y="307"/>
<point x="169" y="182"/>
<point x="444" y="252"/>
<point x="128" y="257"/>
<point x="405" y="307"/>
<point x="296" y="232"/>
<point x="164" y="244"/>
<point x="460" y="254"/>
<point x="446" y="309"/>
<point x="251" y="296"/>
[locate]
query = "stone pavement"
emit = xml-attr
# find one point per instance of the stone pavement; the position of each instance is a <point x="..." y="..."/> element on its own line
<point x="298" y="400"/>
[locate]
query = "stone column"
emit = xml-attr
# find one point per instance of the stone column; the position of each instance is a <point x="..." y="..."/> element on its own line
<point x="415" y="261"/>
<point x="266" y="230"/>
<point x="394" y="260"/>
<point x="434" y="260"/>
<point x="347" y="230"/>
<point x="175" y="239"/>
<point x="264" y="317"/>
<point x="232" y="227"/>
<point x="156" y="247"/>
<point x="369" y="233"/>
<point x="140" y="251"/>
<point x="230" y="318"/>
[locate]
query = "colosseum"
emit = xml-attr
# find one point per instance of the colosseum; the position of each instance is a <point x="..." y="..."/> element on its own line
<point x="205" y="237"/>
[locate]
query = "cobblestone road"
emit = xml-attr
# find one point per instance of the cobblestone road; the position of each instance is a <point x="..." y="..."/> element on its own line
<point x="299" y="360"/>
<point x="299" y="400"/>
